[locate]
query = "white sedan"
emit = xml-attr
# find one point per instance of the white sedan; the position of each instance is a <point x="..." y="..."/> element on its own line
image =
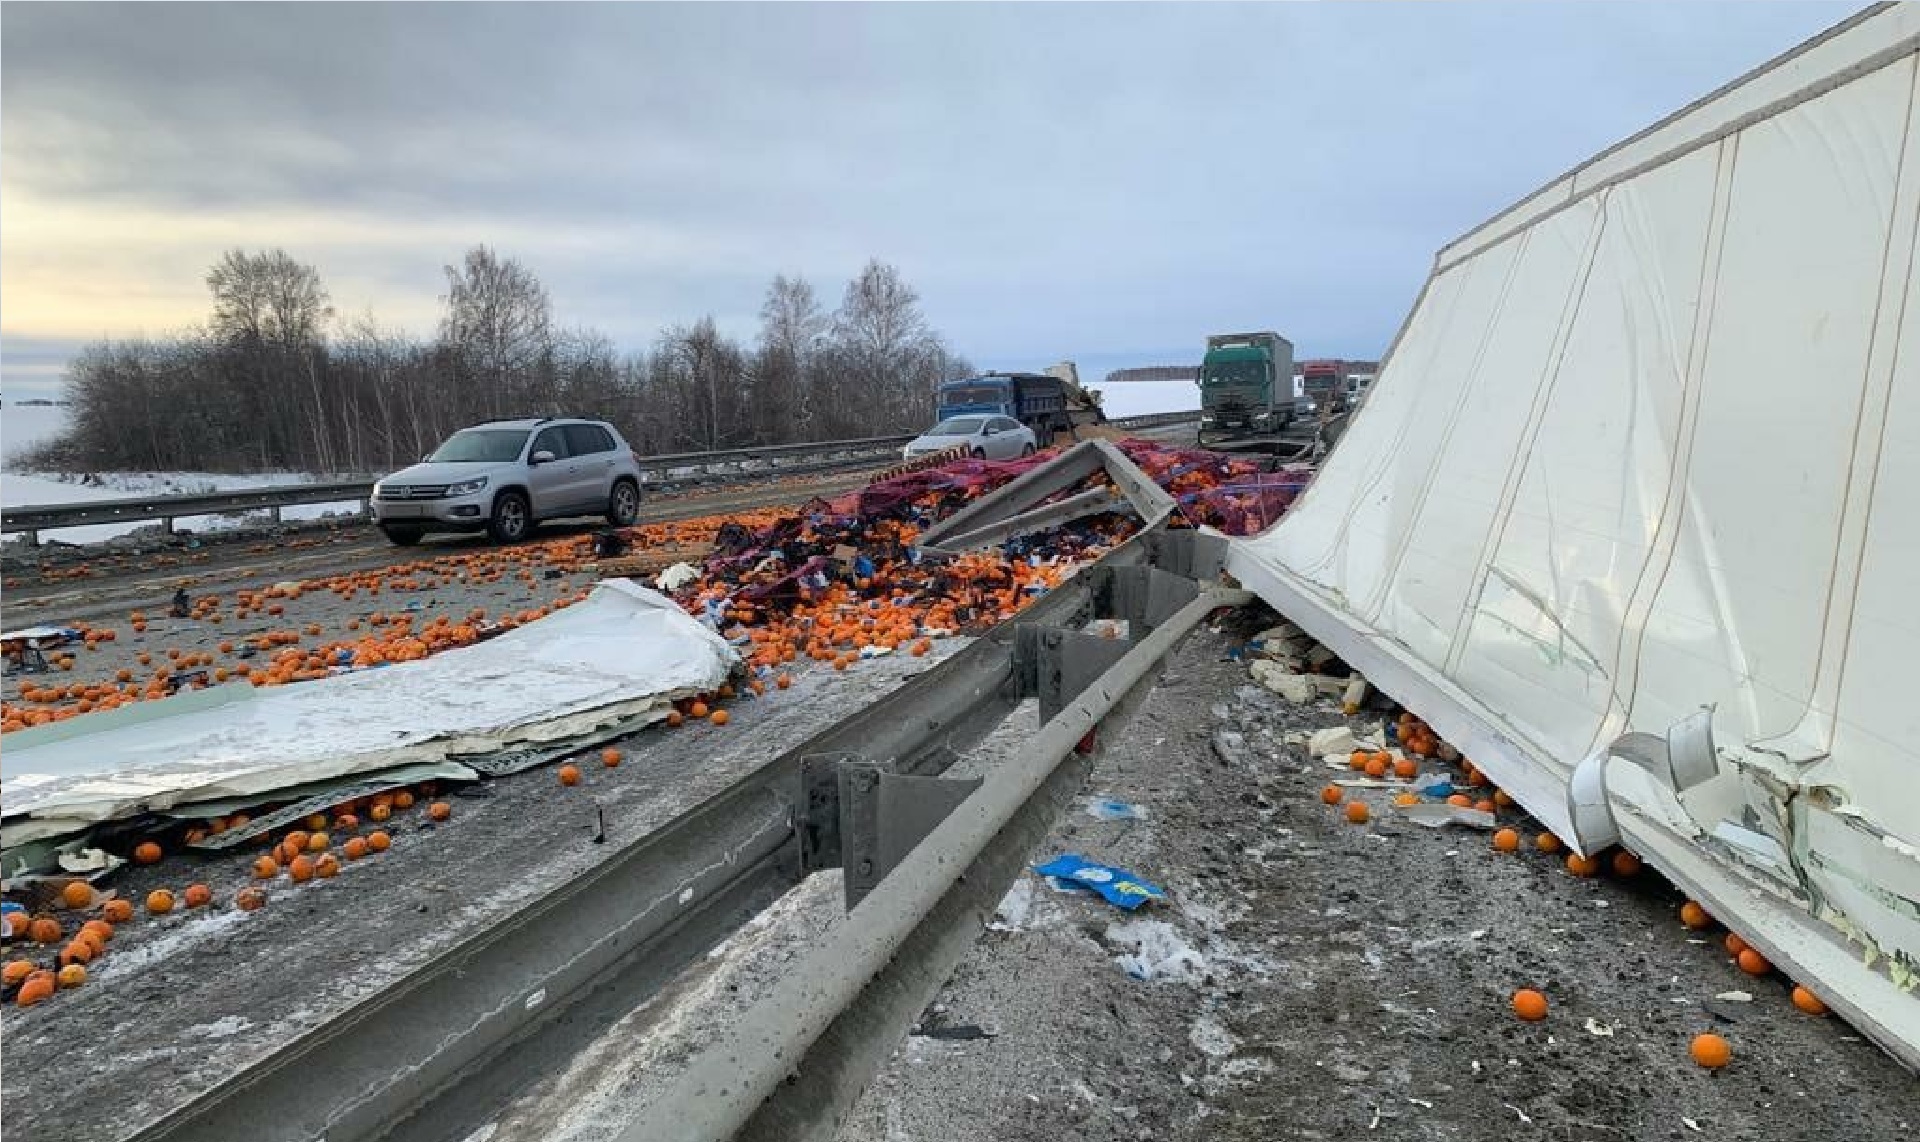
<point x="986" y="437"/>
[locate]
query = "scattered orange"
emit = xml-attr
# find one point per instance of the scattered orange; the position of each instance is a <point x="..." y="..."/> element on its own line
<point x="402" y="799"/>
<point x="37" y="989"/>
<point x="1332" y="795"/>
<point x="380" y="812"/>
<point x="697" y="710"/>
<point x="1404" y="799"/>
<point x="784" y="681"/>
<point x="439" y="811"/>
<point x="250" y="898"/>
<point x="146" y="852"/>
<point x="1461" y="800"/>
<point x="77" y="894"/>
<point x="1625" y="863"/>
<point x="354" y="849"/>
<point x="1752" y="962"/>
<point x="1405" y="768"/>
<point x="610" y="757"/>
<point x="1582" y="866"/>
<point x="16" y="972"/>
<point x="318" y="842"/>
<point x="301" y="870"/>
<point x="1358" y="759"/>
<point x="1735" y="945"/>
<point x="1694" y="916"/>
<point x="327" y="866"/>
<point x="569" y="775"/>
<point x="1374" y="767"/>
<point x="265" y="868"/>
<point x="378" y="841"/>
<point x="100" y="930"/>
<point x="721" y="717"/>
<point x="1547" y="843"/>
<point x="80" y="951"/>
<point x="676" y="718"/>
<point x="1807" y="1001"/>
<point x="1506" y="841"/>
<point x="159" y="902"/>
<point x="1710" y="1051"/>
<point x="1357" y="812"/>
<point x="1529" y="1004"/>
<point x="73" y="975"/>
<point x="117" y="911"/>
<point x="197" y="896"/>
<point x="45" y="930"/>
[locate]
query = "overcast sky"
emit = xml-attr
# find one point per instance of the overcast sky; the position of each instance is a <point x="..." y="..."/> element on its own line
<point x="1108" y="183"/>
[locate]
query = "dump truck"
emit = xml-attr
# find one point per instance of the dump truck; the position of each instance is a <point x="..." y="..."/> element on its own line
<point x="1046" y="402"/>
<point x="1246" y="386"/>
<point x="1083" y="404"/>
<point x="1037" y="400"/>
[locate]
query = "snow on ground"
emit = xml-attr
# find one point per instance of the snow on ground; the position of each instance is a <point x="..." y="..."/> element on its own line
<point x="23" y="426"/>
<point x="1144" y="398"/>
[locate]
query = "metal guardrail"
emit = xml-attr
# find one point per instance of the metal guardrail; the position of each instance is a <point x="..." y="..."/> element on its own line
<point x="424" y="1058"/>
<point x="32" y="519"/>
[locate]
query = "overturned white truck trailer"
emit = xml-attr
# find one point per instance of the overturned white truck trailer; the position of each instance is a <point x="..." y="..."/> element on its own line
<point x="1633" y="513"/>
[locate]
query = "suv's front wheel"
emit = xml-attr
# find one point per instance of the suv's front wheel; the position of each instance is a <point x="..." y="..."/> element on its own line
<point x="623" y="506"/>
<point x="400" y="535"/>
<point x="512" y="518"/>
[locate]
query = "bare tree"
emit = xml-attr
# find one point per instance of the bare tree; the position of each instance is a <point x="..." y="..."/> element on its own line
<point x="271" y="382"/>
<point x="497" y="329"/>
<point x="887" y="359"/>
<point x="705" y="375"/>
<point x="267" y="298"/>
<point x="793" y="330"/>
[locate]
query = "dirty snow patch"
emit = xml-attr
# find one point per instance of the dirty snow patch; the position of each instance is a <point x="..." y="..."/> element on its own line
<point x="1210" y="1038"/>
<point x="1161" y="953"/>
<point x="224" y="1027"/>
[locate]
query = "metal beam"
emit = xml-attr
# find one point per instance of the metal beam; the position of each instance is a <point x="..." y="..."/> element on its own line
<point x="796" y="1061"/>
<point x="1092" y="502"/>
<point x="582" y="957"/>
<point x="1034" y="487"/>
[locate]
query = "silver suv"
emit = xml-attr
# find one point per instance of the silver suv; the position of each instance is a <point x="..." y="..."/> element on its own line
<point x="505" y="476"/>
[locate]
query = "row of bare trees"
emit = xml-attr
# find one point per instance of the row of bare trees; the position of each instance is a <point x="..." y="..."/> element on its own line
<point x="277" y="381"/>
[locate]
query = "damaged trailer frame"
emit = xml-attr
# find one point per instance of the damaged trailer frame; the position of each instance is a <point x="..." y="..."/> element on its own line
<point x="452" y="1041"/>
<point x="1589" y="528"/>
<point x="1020" y="507"/>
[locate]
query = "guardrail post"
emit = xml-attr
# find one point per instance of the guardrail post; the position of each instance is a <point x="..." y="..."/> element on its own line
<point x="166" y="521"/>
<point x="273" y="513"/>
<point x="864" y="818"/>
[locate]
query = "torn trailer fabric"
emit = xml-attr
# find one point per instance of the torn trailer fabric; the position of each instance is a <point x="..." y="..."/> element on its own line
<point x="624" y="651"/>
<point x="1601" y="527"/>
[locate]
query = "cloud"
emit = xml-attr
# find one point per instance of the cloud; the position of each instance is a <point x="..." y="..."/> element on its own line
<point x="1055" y="179"/>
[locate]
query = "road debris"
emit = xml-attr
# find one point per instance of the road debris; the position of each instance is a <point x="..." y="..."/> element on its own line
<point x="1108" y="810"/>
<point x="1119" y="887"/>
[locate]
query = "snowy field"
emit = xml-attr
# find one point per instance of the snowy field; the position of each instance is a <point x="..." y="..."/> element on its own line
<point x="1145" y="398"/>
<point x="22" y="427"/>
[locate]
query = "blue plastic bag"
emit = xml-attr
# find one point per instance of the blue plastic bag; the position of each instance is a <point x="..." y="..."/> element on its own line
<point x="1121" y="888"/>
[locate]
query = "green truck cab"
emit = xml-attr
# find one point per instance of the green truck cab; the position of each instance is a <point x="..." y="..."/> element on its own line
<point x="1246" y="385"/>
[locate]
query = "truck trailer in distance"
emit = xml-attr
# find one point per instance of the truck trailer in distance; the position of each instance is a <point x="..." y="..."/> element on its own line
<point x="1246" y="386"/>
